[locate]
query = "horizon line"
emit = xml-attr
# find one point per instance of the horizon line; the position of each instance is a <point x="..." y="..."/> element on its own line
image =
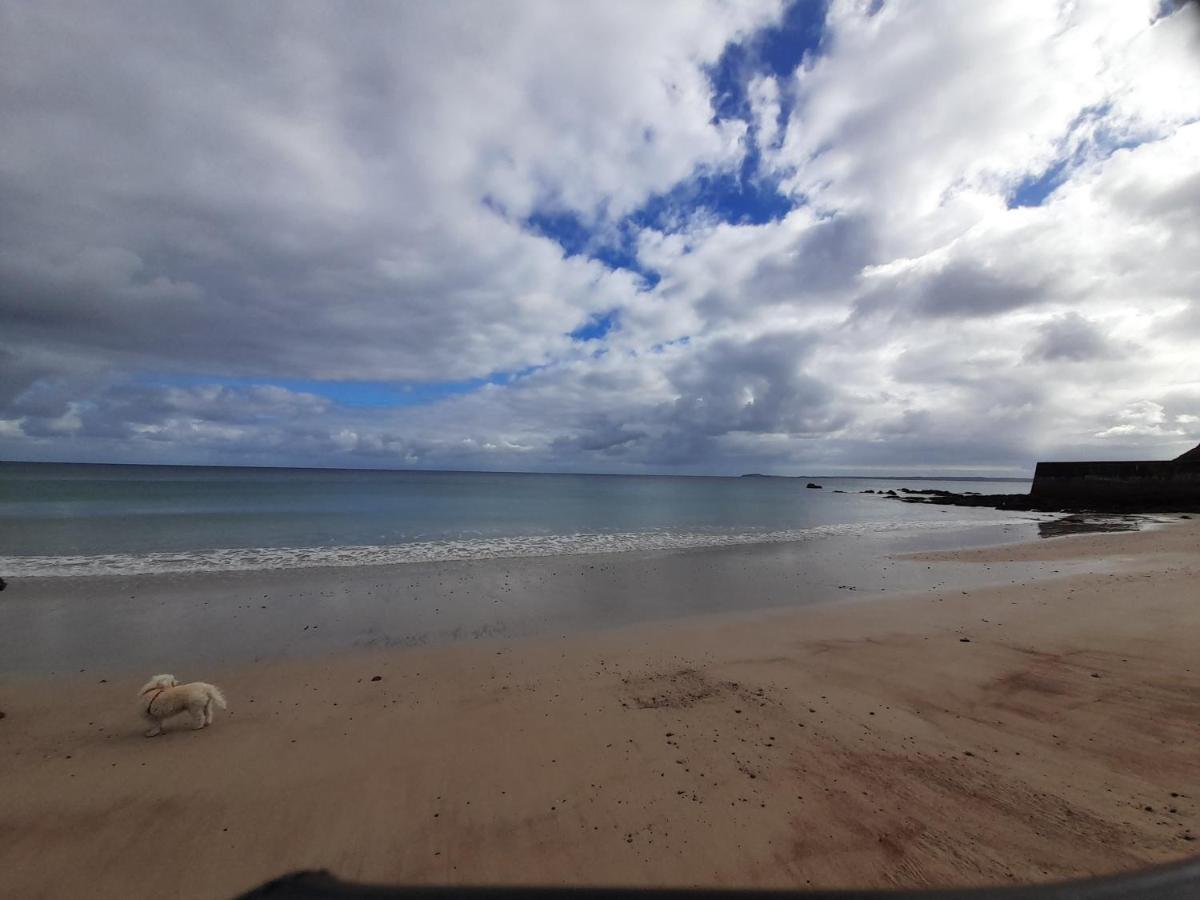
<point x="311" y="468"/>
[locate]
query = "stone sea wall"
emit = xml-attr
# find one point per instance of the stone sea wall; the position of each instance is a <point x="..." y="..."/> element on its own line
<point x="1174" y="484"/>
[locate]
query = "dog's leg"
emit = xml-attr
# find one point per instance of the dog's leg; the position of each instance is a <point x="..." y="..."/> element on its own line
<point x="155" y="730"/>
<point x="198" y="719"/>
<point x="208" y="705"/>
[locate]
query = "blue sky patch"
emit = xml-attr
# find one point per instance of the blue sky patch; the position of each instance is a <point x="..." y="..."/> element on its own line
<point x="747" y="196"/>
<point x="595" y="328"/>
<point x="742" y="197"/>
<point x="1034" y="190"/>
<point x="776" y="50"/>
<point x="782" y="47"/>
<point x="614" y="249"/>
<point x="568" y="230"/>
<point x="678" y="342"/>
<point x="1100" y="144"/>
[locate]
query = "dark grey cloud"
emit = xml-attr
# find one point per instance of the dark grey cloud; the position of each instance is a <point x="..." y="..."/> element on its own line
<point x="824" y="259"/>
<point x="18" y="373"/>
<point x="959" y="289"/>
<point x="1071" y="338"/>
<point x="757" y="386"/>
<point x="970" y="289"/>
<point x="124" y="410"/>
<point x="598" y="435"/>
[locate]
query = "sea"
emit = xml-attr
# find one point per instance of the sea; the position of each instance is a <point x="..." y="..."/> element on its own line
<point x="62" y="520"/>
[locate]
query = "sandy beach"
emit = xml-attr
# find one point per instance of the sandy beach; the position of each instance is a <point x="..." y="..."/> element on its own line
<point x="1023" y="731"/>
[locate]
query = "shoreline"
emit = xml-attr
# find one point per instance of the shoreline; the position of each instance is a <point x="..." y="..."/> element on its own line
<point x="1024" y="732"/>
<point x="119" y="623"/>
<point x="222" y="561"/>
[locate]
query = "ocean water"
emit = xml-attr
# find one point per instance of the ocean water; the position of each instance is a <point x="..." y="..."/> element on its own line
<point x="77" y="519"/>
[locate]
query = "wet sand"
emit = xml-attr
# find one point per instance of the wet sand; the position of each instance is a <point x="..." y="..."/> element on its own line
<point x="114" y="624"/>
<point x="1018" y="732"/>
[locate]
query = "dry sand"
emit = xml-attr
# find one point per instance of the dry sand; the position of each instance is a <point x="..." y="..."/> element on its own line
<point x="1022" y="733"/>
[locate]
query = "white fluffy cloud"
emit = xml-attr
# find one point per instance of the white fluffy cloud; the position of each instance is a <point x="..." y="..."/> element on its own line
<point x="217" y="216"/>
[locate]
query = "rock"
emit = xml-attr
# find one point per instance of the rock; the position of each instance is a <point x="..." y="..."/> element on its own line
<point x="1023" y="502"/>
<point x="964" y="640"/>
<point x="1192" y="455"/>
<point x="3" y="584"/>
<point x="813" y="486"/>
<point x="377" y="678"/>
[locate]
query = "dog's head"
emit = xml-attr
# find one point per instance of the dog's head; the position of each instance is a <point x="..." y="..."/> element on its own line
<point x="158" y="683"/>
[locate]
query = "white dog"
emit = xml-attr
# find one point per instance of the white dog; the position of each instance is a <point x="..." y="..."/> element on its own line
<point x="162" y="697"/>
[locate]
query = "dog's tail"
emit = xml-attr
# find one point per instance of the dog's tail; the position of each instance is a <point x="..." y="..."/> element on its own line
<point x="215" y="695"/>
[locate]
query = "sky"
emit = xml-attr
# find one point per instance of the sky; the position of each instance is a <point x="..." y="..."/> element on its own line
<point x="694" y="237"/>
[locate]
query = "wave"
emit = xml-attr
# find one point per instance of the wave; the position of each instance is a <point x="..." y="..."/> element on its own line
<point x="267" y="558"/>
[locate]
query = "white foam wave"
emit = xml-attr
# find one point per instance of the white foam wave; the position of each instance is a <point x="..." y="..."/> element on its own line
<point x="266" y="558"/>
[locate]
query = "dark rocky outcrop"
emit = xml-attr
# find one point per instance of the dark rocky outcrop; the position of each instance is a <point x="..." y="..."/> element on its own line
<point x="1192" y="455"/>
<point x="1140" y="486"/>
<point x="1077" y="524"/>
<point x="1031" y="503"/>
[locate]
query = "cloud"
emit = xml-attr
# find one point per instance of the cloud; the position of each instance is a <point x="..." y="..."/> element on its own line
<point x="959" y="288"/>
<point x="758" y="386"/>
<point x="314" y="194"/>
<point x="921" y="124"/>
<point x="841" y="236"/>
<point x="1072" y="338"/>
<point x="1143" y="417"/>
